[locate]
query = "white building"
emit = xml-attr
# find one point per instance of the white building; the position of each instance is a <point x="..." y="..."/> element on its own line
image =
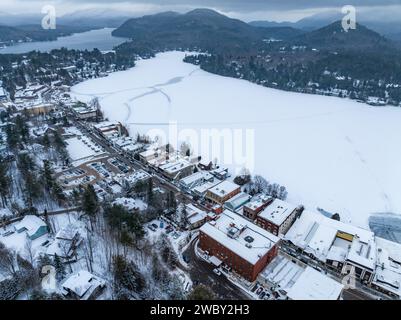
<point x="83" y="286"/>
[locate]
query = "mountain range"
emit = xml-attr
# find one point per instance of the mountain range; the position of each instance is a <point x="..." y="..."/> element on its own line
<point x="209" y="30"/>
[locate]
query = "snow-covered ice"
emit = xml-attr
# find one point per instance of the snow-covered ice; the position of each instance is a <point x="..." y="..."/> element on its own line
<point x="329" y="152"/>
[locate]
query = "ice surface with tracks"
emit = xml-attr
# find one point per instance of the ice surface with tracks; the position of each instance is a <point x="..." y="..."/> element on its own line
<point x="329" y="152"/>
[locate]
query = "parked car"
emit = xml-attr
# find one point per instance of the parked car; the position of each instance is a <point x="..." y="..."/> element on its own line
<point x="217" y="271"/>
<point x="154" y="225"/>
<point x="151" y="227"/>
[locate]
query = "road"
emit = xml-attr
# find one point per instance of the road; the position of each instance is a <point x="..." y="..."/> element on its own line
<point x="352" y="294"/>
<point x="202" y="272"/>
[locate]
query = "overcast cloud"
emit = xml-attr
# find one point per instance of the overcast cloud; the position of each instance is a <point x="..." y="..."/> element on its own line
<point x="278" y="10"/>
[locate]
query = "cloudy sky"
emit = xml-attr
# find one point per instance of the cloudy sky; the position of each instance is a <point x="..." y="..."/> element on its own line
<point x="278" y="10"/>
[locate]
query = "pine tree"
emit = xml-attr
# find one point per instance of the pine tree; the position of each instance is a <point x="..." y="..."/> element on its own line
<point x="90" y="203"/>
<point x="59" y="266"/>
<point x="5" y="183"/>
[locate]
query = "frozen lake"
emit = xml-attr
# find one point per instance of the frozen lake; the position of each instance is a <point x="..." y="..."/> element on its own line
<point x="332" y="153"/>
<point x="100" y="39"/>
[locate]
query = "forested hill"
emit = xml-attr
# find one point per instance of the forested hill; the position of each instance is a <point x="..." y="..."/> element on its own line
<point x="359" y="64"/>
<point x="35" y="32"/>
<point x="200" y="28"/>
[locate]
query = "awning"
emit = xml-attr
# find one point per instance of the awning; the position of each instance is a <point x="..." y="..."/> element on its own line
<point x="216" y="261"/>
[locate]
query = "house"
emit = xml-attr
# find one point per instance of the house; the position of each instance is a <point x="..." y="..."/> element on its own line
<point x="83" y="286"/>
<point x="196" y="179"/>
<point x="130" y="204"/>
<point x="107" y="129"/>
<point x="237" y="201"/>
<point x="277" y="217"/>
<point x="205" y="165"/>
<point x="222" y="192"/>
<point x="33" y="226"/>
<point x="238" y="243"/>
<point x="176" y="169"/>
<point x="154" y="152"/>
<point x="220" y="173"/>
<point x="252" y="208"/>
<point x="292" y="279"/>
<point x="195" y="216"/>
<point x="84" y="112"/>
<point x="67" y="240"/>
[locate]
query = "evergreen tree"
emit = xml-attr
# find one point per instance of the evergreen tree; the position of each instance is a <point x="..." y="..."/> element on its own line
<point x="90" y="203"/>
<point x="5" y="183"/>
<point x="59" y="266"/>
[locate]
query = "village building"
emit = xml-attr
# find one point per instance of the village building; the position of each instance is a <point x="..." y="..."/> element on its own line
<point x="237" y="202"/>
<point x="84" y="112"/>
<point x="66" y="242"/>
<point x="238" y="243"/>
<point x="108" y="129"/>
<point x="195" y="180"/>
<point x="291" y="279"/>
<point x="33" y="226"/>
<point x="195" y="216"/>
<point x="255" y="206"/>
<point x="176" y="169"/>
<point x="82" y="286"/>
<point x="277" y="217"/>
<point x="220" y="173"/>
<point x="387" y="277"/>
<point x="222" y="192"/>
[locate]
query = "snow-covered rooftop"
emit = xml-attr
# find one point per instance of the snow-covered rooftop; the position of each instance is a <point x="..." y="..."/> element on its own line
<point x="316" y="233"/>
<point x="363" y="252"/>
<point x="31" y="223"/>
<point x="277" y="212"/>
<point x="195" y="214"/>
<point x="388" y="267"/>
<point x="240" y="236"/>
<point x="313" y="285"/>
<point x="130" y="203"/>
<point x="224" y="188"/>
<point x="83" y="283"/>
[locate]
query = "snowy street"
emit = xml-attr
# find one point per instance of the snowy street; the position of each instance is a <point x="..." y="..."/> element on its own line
<point x="327" y="151"/>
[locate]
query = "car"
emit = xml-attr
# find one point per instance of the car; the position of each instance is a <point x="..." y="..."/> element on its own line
<point x="262" y="295"/>
<point x="154" y="225"/>
<point x="151" y="227"/>
<point x="217" y="271"/>
<point x="259" y="291"/>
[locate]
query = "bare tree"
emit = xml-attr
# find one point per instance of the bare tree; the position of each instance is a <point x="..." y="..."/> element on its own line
<point x="29" y="251"/>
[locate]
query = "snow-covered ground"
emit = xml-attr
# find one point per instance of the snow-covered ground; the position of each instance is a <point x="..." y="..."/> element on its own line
<point x="331" y="153"/>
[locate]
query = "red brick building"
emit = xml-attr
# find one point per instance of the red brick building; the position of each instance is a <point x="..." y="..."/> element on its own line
<point x="221" y="192"/>
<point x="239" y="244"/>
<point x="253" y="208"/>
<point x="277" y="217"/>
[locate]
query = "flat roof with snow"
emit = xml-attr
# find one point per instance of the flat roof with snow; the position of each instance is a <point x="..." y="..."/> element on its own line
<point x="313" y="285"/>
<point x="315" y="233"/>
<point x="242" y="237"/>
<point x="277" y="212"/>
<point x="388" y="270"/>
<point x="224" y="188"/>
